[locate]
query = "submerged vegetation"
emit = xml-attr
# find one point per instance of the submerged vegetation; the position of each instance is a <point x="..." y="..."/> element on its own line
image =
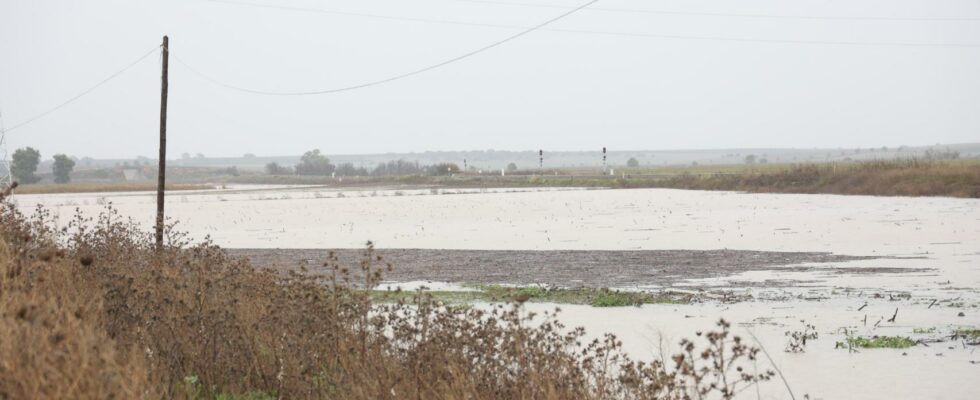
<point x="507" y="294"/>
<point x="967" y="333"/>
<point x="880" y="342"/>
<point x="798" y="339"/>
<point x="97" y="310"/>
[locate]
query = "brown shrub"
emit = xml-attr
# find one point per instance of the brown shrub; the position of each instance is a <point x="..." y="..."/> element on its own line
<point x="52" y="341"/>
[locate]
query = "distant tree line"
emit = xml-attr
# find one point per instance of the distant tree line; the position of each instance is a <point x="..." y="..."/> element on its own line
<point x="24" y="162"/>
<point x="314" y="163"/>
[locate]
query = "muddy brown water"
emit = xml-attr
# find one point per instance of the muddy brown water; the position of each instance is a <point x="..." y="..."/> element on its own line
<point x="566" y="268"/>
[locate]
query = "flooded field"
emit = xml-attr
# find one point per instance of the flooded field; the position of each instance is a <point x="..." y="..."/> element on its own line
<point x="850" y="265"/>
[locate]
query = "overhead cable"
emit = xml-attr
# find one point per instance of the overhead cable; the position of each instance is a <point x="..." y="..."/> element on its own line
<point x="85" y="92"/>
<point x="730" y="15"/>
<point x="390" y="79"/>
<point x="601" y="32"/>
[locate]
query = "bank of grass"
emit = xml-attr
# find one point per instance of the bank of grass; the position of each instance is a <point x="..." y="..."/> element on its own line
<point x="105" y="187"/>
<point x="98" y="311"/>
<point x="911" y="177"/>
<point x="507" y="294"/>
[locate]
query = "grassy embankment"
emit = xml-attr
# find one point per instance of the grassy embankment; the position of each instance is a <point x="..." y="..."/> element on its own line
<point x="880" y="178"/>
<point x="97" y="311"/>
<point x="911" y="177"/>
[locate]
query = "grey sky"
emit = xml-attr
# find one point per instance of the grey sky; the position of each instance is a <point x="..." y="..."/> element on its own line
<point x="552" y="90"/>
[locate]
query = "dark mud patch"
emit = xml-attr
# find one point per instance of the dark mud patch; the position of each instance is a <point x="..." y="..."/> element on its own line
<point x="592" y="269"/>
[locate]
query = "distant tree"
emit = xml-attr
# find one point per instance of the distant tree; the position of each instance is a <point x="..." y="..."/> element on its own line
<point x="763" y="161"/>
<point x="633" y="162"/>
<point x="199" y="155"/>
<point x="512" y="167"/>
<point x="232" y="171"/>
<point x="348" y="169"/>
<point x="314" y="163"/>
<point x="24" y="165"/>
<point x="248" y="155"/>
<point x="62" y="168"/>
<point x="274" y="168"/>
<point x="936" y="155"/>
<point x="443" y="169"/>
<point x="397" y="167"/>
<point x="750" y="159"/>
<point x="185" y="156"/>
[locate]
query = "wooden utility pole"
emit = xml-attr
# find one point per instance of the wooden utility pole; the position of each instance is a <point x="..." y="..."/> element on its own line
<point x="162" y="176"/>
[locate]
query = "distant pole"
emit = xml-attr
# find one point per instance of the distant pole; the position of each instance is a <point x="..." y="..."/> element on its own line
<point x="541" y="159"/>
<point x="162" y="176"/>
<point x="603" y="158"/>
<point x="7" y="178"/>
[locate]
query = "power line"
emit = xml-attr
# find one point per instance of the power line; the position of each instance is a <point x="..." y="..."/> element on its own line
<point x="775" y="41"/>
<point x="597" y="32"/>
<point x="87" y="91"/>
<point x="731" y="15"/>
<point x="396" y="77"/>
<point x="364" y="15"/>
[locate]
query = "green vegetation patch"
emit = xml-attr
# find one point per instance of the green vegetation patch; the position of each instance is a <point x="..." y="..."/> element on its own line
<point x="881" y="342"/>
<point x="968" y="333"/>
<point x="499" y="293"/>
<point x="246" y="396"/>
<point x="194" y="390"/>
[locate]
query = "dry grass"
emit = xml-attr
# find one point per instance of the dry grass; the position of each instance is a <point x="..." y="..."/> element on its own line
<point x="879" y="178"/>
<point x="105" y="187"/>
<point x="96" y="311"/>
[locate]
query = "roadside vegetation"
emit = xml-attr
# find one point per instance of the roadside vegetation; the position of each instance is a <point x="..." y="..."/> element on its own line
<point x="96" y="310"/>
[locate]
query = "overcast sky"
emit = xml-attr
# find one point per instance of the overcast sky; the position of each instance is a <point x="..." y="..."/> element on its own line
<point x="679" y="88"/>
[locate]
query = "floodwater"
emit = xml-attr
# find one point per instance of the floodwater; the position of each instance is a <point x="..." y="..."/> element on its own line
<point x="937" y="238"/>
<point x="944" y="370"/>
